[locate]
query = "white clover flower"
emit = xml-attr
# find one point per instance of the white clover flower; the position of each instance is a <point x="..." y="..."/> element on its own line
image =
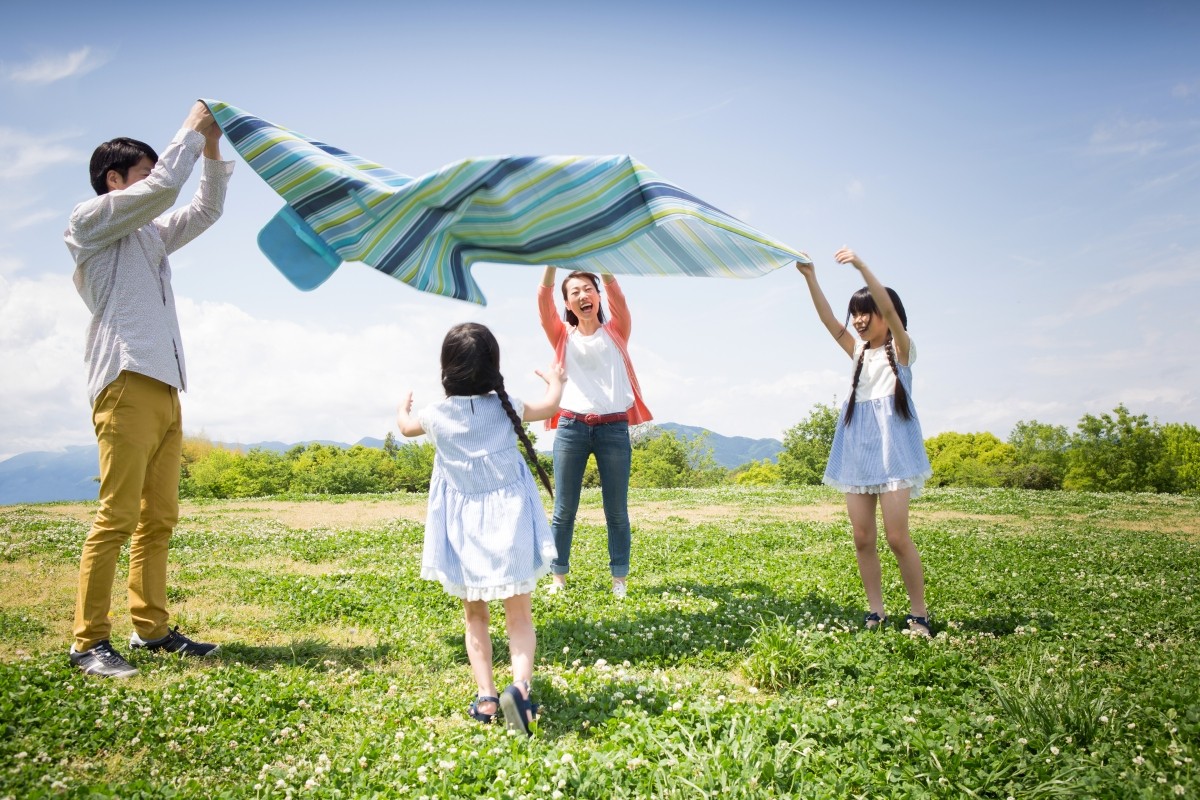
<point x="1054" y="751"/>
<point x="566" y="758"/>
<point x="831" y="702"/>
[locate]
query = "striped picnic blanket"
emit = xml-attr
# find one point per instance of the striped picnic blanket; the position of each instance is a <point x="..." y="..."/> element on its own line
<point x="594" y="213"/>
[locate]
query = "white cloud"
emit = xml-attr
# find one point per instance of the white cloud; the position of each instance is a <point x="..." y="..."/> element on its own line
<point x="249" y="379"/>
<point x="1125" y="137"/>
<point x="702" y="112"/>
<point x="44" y="391"/>
<point x="1113" y="294"/>
<point x="49" y="69"/>
<point x="733" y="400"/>
<point x="1184" y="90"/>
<point x="8" y="266"/>
<point x="253" y="379"/>
<point x="31" y="219"/>
<point x="23" y="155"/>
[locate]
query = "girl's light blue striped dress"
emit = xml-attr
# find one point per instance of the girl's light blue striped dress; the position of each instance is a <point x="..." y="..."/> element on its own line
<point x="879" y="451"/>
<point x="486" y="534"/>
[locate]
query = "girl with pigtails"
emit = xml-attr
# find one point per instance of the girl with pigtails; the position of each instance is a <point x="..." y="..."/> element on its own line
<point x="486" y="534"/>
<point x="878" y="454"/>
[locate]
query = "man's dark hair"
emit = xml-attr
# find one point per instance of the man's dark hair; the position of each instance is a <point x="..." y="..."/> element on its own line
<point x="120" y="154"/>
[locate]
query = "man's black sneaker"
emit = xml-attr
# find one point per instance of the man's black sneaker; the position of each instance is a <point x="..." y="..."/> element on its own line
<point x="173" y="642"/>
<point x="102" y="660"/>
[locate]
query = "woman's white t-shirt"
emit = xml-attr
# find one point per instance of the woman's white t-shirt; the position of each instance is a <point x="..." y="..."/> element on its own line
<point x="597" y="381"/>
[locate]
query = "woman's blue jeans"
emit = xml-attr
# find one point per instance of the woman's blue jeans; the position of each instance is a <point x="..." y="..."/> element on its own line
<point x="573" y="443"/>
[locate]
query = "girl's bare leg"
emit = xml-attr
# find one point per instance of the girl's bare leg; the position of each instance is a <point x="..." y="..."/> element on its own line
<point x="479" y="651"/>
<point x="522" y="640"/>
<point x="894" y="506"/>
<point x="861" y="508"/>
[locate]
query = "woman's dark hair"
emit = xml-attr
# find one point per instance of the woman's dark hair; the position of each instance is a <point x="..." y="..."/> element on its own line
<point x="569" y="315"/>
<point x="470" y="366"/>
<point x="861" y="302"/>
<point x="121" y="154"/>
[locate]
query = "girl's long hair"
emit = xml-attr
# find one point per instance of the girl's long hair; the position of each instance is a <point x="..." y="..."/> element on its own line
<point x="861" y="302"/>
<point x="470" y="366"/>
<point x="569" y="315"/>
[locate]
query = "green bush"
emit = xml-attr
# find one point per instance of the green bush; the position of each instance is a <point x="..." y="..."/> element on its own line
<point x="806" y="447"/>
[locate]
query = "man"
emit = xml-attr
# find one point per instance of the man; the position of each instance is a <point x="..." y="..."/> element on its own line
<point x="120" y="241"/>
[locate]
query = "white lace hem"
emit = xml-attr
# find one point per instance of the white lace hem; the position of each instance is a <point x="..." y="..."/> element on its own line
<point x="485" y="593"/>
<point x="915" y="484"/>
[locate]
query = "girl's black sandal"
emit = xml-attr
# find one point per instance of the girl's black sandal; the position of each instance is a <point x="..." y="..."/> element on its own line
<point x="911" y="620"/>
<point x="480" y="715"/>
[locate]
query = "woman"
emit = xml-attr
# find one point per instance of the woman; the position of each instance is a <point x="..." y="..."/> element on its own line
<point x="600" y="401"/>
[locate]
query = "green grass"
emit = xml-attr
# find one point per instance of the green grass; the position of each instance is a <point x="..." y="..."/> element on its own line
<point x="1065" y="663"/>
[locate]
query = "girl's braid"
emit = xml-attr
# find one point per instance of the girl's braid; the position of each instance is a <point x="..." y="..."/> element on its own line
<point x="854" y="385"/>
<point x="520" y="430"/>
<point x="901" y="399"/>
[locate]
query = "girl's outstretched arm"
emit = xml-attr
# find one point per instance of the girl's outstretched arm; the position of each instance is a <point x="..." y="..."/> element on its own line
<point x="408" y="425"/>
<point x="548" y="406"/>
<point x="836" y="329"/>
<point x="882" y="299"/>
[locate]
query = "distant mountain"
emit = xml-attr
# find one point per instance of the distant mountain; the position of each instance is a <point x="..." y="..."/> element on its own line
<point x="72" y="474"/>
<point x="44" y="477"/>
<point x="729" y="451"/>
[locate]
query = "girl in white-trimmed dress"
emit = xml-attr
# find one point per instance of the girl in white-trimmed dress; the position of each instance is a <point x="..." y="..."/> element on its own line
<point x="486" y="534"/>
<point x="878" y="452"/>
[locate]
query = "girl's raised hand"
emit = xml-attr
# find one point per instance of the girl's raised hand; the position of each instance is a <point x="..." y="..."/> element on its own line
<point x="808" y="270"/>
<point x="554" y="374"/>
<point x="847" y="256"/>
<point x="408" y="426"/>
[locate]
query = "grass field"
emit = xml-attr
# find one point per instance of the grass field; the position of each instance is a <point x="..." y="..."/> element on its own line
<point x="1065" y="663"/>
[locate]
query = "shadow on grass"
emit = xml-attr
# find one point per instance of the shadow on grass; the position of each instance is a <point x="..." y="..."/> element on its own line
<point x="1001" y="624"/>
<point x="591" y="624"/>
<point x="307" y="653"/>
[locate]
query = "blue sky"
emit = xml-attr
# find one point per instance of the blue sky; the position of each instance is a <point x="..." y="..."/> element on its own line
<point x="1025" y="175"/>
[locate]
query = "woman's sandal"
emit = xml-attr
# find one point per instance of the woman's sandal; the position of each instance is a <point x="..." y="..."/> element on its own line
<point x="519" y="713"/>
<point x="919" y="626"/>
<point x="483" y="716"/>
<point x="873" y="621"/>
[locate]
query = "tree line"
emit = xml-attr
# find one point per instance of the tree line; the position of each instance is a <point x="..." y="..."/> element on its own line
<point x="1117" y="452"/>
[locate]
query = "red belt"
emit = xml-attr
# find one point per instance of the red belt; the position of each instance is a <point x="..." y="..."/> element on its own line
<point x="596" y="419"/>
